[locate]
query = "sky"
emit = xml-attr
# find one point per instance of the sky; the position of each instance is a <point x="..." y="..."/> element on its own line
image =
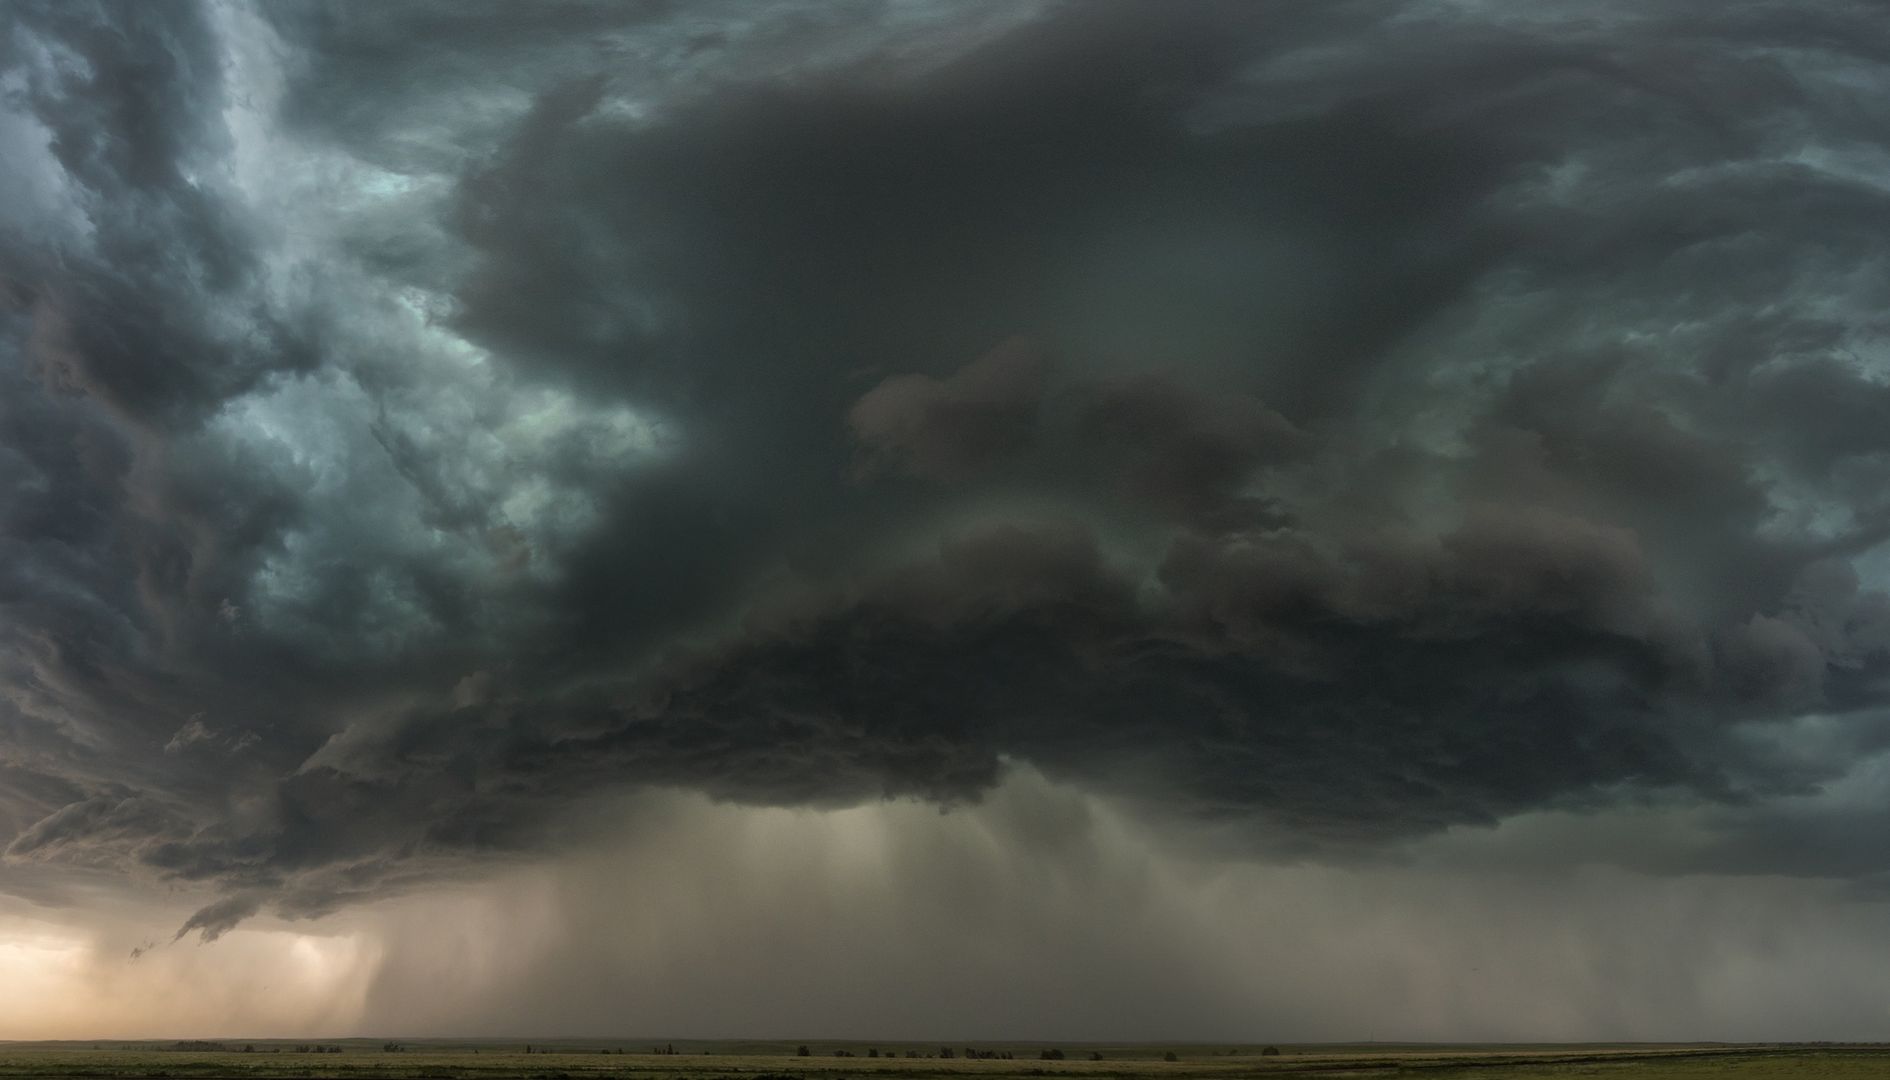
<point x="886" y="518"/>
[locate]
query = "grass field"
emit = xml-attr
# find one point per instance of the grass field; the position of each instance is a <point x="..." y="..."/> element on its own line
<point x="585" y="1059"/>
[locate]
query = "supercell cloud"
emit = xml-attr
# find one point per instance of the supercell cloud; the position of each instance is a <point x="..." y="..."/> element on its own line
<point x="1327" y="431"/>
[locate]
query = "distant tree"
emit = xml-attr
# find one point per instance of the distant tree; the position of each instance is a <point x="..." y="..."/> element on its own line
<point x="872" y="1051"/>
<point x="1170" y="1056"/>
<point x="1095" y="1055"/>
<point x="801" y="1052"/>
<point x="1271" y="1051"/>
<point x="249" y="1048"/>
<point x="944" y="1051"/>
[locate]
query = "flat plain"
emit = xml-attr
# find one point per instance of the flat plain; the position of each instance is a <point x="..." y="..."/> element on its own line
<point x="645" y="1059"/>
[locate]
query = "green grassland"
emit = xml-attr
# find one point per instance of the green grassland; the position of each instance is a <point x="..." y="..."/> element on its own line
<point x="599" y="1059"/>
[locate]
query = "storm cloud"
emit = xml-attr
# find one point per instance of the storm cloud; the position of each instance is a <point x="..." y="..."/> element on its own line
<point x="1319" y="428"/>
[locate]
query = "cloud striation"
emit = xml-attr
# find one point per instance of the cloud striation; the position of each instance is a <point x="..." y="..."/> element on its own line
<point x="1320" y="426"/>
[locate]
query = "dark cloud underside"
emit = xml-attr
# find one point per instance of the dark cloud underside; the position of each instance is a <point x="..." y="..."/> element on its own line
<point x="1331" y="423"/>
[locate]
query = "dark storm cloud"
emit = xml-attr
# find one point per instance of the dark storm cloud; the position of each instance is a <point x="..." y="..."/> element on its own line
<point x="217" y="919"/>
<point x="963" y="424"/>
<point x="1339" y="423"/>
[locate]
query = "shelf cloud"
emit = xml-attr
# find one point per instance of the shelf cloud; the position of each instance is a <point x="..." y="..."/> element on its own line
<point x="1327" y="433"/>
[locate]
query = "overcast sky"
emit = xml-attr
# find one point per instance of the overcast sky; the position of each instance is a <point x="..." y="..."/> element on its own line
<point x="1269" y="520"/>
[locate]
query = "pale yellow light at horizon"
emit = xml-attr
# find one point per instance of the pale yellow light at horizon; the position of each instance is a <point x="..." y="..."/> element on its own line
<point x="67" y="982"/>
